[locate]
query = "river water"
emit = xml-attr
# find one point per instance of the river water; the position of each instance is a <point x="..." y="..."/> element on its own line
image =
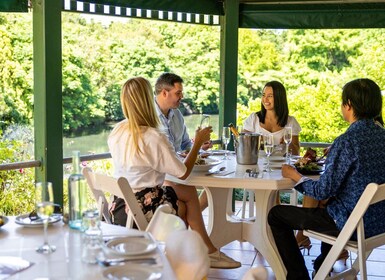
<point x="95" y="143"/>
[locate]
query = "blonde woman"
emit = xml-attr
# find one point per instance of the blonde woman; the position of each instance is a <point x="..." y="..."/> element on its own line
<point x="144" y="155"/>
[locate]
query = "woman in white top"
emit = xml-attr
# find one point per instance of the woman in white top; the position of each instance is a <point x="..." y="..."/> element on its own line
<point x="144" y="155"/>
<point x="274" y="116"/>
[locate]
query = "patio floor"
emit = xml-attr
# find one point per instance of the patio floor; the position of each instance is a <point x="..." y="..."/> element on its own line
<point x="249" y="257"/>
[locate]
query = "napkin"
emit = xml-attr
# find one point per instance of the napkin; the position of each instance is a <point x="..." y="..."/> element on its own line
<point x="188" y="255"/>
<point x="12" y="265"/>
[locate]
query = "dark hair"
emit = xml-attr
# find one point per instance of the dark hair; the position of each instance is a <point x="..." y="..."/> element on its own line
<point x="364" y="96"/>
<point x="166" y="80"/>
<point x="379" y="119"/>
<point x="281" y="107"/>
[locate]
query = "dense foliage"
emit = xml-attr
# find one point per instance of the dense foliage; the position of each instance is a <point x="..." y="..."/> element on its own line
<point x="97" y="59"/>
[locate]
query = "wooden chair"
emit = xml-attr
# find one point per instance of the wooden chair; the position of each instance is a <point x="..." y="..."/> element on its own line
<point x="101" y="184"/>
<point x="362" y="247"/>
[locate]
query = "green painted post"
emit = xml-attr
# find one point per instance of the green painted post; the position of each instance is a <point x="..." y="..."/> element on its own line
<point x="47" y="69"/>
<point x="229" y="68"/>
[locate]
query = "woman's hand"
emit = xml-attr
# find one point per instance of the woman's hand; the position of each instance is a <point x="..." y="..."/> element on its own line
<point x="202" y="135"/>
<point x="289" y="171"/>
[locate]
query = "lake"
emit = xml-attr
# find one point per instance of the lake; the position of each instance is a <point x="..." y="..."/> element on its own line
<point x="96" y="143"/>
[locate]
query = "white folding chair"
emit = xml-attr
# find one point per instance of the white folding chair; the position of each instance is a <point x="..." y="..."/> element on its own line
<point x="362" y="247"/>
<point x="163" y="223"/>
<point x="101" y="184"/>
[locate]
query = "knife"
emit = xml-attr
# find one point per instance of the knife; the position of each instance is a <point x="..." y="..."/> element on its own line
<point x="224" y="173"/>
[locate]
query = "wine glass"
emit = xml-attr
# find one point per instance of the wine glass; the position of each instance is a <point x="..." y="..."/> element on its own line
<point x="268" y="145"/>
<point x="226" y="139"/>
<point x="205" y="121"/>
<point x="287" y="138"/>
<point x="44" y="209"/>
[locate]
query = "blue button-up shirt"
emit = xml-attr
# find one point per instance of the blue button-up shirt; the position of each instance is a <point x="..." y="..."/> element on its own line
<point x="356" y="159"/>
<point x="174" y="127"/>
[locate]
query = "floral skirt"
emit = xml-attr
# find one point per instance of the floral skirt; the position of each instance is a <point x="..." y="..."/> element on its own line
<point x="149" y="200"/>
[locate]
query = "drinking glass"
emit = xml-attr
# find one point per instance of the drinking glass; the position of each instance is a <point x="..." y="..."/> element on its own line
<point x="44" y="209"/>
<point x="205" y="121"/>
<point x="268" y="145"/>
<point x="287" y="138"/>
<point x="226" y="133"/>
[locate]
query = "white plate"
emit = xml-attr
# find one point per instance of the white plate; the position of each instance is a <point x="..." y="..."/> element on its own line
<point x="208" y="165"/>
<point x="130" y="246"/>
<point x="276" y="165"/>
<point x="133" y="272"/>
<point x="24" y="220"/>
<point x="218" y="152"/>
<point x="277" y="159"/>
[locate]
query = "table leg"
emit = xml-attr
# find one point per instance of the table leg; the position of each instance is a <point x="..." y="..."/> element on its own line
<point x="222" y="229"/>
<point x="259" y="234"/>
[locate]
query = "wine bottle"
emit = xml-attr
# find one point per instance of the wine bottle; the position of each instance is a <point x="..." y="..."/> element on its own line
<point x="77" y="193"/>
<point x="233" y="129"/>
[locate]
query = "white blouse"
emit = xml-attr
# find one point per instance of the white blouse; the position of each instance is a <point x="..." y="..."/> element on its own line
<point x="252" y="124"/>
<point x="149" y="168"/>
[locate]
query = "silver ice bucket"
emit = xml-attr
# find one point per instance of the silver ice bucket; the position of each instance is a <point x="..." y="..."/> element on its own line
<point x="247" y="148"/>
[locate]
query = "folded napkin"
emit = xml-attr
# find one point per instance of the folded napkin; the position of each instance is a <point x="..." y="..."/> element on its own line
<point x="12" y="265"/>
<point x="188" y="255"/>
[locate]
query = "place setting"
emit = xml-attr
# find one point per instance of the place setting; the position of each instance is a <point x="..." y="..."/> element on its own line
<point x="131" y="257"/>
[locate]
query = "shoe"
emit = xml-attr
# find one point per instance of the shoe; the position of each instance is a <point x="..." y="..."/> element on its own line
<point x="220" y="260"/>
<point x="305" y="244"/>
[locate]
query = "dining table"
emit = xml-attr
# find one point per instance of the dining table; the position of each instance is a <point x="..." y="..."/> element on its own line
<point x="17" y="241"/>
<point x="223" y="226"/>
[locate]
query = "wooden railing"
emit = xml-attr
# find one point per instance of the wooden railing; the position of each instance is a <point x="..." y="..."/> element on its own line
<point x="66" y="160"/>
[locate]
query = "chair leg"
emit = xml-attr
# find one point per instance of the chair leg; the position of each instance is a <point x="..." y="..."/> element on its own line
<point x="244" y="203"/>
<point x="251" y="203"/>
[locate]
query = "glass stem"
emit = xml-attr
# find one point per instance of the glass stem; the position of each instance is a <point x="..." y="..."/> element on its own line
<point x="225" y="151"/>
<point x="287" y="153"/>
<point x="45" y="231"/>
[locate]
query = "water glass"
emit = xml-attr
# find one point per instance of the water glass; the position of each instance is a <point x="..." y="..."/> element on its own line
<point x="287" y="136"/>
<point x="205" y="121"/>
<point x="226" y="133"/>
<point x="268" y="144"/>
<point x="44" y="209"/>
<point x="92" y="238"/>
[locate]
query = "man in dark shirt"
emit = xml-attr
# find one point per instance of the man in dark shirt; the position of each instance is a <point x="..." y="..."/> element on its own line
<point x="356" y="159"/>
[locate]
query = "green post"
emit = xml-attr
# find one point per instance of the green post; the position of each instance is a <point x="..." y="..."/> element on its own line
<point x="229" y="68"/>
<point x="47" y="69"/>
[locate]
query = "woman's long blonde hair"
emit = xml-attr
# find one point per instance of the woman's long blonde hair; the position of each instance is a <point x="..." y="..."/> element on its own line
<point x="137" y="101"/>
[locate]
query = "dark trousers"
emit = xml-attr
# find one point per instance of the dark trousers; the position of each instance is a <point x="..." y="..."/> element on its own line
<point x="283" y="220"/>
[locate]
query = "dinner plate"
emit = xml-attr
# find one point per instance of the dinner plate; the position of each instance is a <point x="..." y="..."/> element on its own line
<point x="310" y="172"/>
<point x="184" y="154"/>
<point x="277" y="159"/>
<point x="3" y="220"/>
<point x="209" y="163"/>
<point x="130" y="246"/>
<point x="219" y="152"/>
<point x="276" y="165"/>
<point x="25" y="221"/>
<point x="133" y="272"/>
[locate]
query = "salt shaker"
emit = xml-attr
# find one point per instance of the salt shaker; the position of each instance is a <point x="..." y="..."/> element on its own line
<point x="92" y="240"/>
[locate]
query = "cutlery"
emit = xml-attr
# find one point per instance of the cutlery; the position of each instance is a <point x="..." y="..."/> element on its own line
<point x="118" y="261"/>
<point x="225" y="173"/>
<point x="216" y="171"/>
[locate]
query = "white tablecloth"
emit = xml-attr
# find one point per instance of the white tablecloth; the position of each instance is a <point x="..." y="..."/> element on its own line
<point x="65" y="263"/>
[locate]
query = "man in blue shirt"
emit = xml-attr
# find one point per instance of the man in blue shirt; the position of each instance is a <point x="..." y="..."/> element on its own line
<point x="168" y="95"/>
<point x="356" y="159"/>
